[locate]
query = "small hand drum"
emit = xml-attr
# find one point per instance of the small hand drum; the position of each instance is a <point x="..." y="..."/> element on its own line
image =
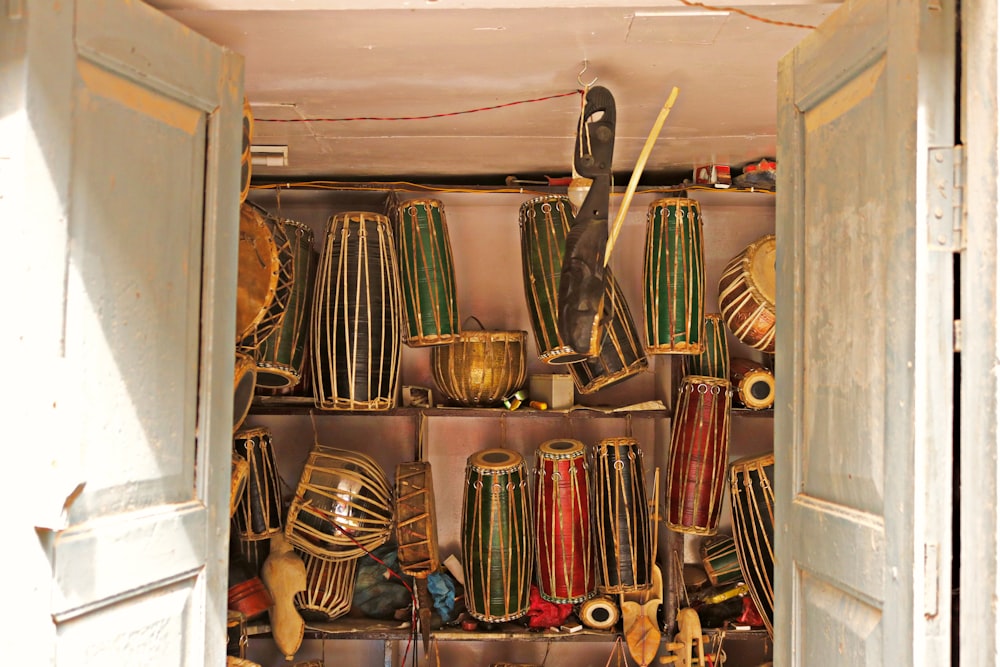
<point x="497" y="548"/>
<point x="753" y="384"/>
<point x="746" y="294"/>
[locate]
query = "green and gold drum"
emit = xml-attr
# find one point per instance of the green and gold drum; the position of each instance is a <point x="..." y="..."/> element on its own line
<point x="545" y="221"/>
<point x="714" y="358"/>
<point x="497" y="546"/>
<point x="718" y="557"/>
<point x="427" y="275"/>
<point x="674" y="277"/>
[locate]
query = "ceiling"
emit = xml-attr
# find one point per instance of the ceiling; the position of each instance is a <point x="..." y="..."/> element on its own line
<point x="308" y="60"/>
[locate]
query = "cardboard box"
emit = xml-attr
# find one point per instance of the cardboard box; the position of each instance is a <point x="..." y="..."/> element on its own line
<point x="554" y="389"/>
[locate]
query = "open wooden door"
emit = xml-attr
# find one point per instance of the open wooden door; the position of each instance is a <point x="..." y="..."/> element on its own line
<point x="863" y="416"/>
<point x="121" y="202"/>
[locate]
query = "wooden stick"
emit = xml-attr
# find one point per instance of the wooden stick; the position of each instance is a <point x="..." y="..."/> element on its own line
<point x="640" y="164"/>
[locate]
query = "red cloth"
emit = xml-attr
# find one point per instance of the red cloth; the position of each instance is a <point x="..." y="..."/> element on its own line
<point x="545" y="614"/>
<point x="750" y="615"/>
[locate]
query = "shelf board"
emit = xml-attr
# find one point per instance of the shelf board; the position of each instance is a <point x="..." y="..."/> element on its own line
<point x="371" y="629"/>
<point x="755" y="634"/>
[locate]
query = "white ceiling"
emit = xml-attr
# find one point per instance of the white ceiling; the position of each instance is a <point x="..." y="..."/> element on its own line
<point x="310" y="59"/>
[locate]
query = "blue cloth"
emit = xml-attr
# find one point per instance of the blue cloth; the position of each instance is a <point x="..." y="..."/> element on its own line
<point x="442" y="588"/>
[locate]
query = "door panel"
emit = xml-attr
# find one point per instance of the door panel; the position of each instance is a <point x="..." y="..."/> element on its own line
<point x="133" y="155"/>
<point x="862" y="439"/>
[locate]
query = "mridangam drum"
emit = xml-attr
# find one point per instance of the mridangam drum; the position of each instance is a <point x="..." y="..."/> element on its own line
<point x="427" y="274"/>
<point x="718" y="557"/>
<point x="281" y="356"/>
<point x="329" y="587"/>
<point x="674" y="276"/>
<point x="746" y="294"/>
<point x="714" y="359"/>
<point x="356" y="319"/>
<point x="752" y="496"/>
<point x="622" y="521"/>
<point x="481" y="368"/>
<point x="698" y="456"/>
<point x="497" y="548"/>
<point x="258" y="512"/>
<point x="342" y="507"/>
<point x="257" y="272"/>
<point x="753" y="384"/>
<point x="416" y="520"/>
<point x="564" y="554"/>
<point x="544" y="223"/>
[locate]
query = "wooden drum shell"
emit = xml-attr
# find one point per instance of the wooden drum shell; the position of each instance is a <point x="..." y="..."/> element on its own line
<point x="416" y="519"/>
<point x="746" y="294"/>
<point x="481" y="368"/>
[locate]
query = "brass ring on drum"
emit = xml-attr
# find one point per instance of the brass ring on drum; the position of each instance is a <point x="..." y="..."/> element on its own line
<point x="619" y="465"/>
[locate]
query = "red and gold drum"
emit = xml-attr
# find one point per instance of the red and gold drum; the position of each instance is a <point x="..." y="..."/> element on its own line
<point x="746" y="294"/>
<point x="698" y="456"/>
<point x="564" y="548"/>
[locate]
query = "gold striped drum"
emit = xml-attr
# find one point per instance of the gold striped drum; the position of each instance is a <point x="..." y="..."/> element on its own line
<point x="674" y="277"/>
<point x="746" y="294"/>
<point x="714" y="359"/>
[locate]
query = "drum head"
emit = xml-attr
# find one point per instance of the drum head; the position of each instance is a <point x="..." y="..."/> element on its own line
<point x="762" y="255"/>
<point x="496" y="460"/>
<point x="257" y="279"/>
<point x="561" y="448"/>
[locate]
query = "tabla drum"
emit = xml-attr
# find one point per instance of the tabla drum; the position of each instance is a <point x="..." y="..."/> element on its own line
<point x="343" y="505"/>
<point x="244" y="383"/>
<point x="674" y="277"/>
<point x="258" y="513"/>
<point x="564" y="554"/>
<point x="246" y="161"/>
<point x="746" y="294"/>
<point x="329" y="587"/>
<point x="274" y="314"/>
<point x="752" y="496"/>
<point x="622" y="521"/>
<point x="416" y="520"/>
<point x="258" y="270"/>
<point x="356" y="319"/>
<point x="427" y="274"/>
<point x="713" y="361"/>
<point x="753" y="384"/>
<point x="281" y="355"/>
<point x="481" y="368"/>
<point x="718" y="557"/>
<point x="698" y="456"/>
<point x="497" y="548"/>
<point x="599" y="613"/>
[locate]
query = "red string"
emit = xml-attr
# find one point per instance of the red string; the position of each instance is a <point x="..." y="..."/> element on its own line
<point x="737" y="10"/>
<point x="436" y="115"/>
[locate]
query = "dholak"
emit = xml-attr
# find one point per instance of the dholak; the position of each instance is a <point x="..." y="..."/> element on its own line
<point x="752" y="498"/>
<point x="753" y="384"/>
<point x="356" y="325"/>
<point x="544" y="223"/>
<point x="329" y="587"/>
<point x="623" y="539"/>
<point x="564" y="548"/>
<point x="481" y="368"/>
<point x="714" y="359"/>
<point x="718" y="557"/>
<point x="746" y="294"/>
<point x="258" y="512"/>
<point x="281" y="355"/>
<point x="427" y="275"/>
<point x="244" y="383"/>
<point x="497" y="547"/>
<point x="698" y="456"/>
<point x="257" y="272"/>
<point x="674" y="277"/>
<point x="342" y="506"/>
<point x="416" y="520"/>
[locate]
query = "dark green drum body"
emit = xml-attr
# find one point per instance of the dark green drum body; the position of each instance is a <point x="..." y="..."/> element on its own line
<point x="544" y="222"/>
<point x="427" y="275"/>
<point x="713" y="361"/>
<point x="281" y="356"/>
<point x="674" y="277"/>
<point x="718" y="557"/>
<point x="497" y="545"/>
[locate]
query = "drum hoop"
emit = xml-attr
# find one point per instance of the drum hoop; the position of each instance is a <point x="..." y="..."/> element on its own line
<point x="258" y="222"/>
<point x="578" y="449"/>
<point x="748" y="463"/>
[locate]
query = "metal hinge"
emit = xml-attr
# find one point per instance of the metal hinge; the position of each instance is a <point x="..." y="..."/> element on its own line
<point x="945" y="199"/>
<point x="957" y="335"/>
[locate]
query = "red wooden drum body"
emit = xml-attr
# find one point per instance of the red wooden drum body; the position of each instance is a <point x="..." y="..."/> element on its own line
<point x="746" y="294"/>
<point x="752" y="495"/>
<point x="624" y="541"/>
<point x="564" y="548"/>
<point x="699" y="456"/>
